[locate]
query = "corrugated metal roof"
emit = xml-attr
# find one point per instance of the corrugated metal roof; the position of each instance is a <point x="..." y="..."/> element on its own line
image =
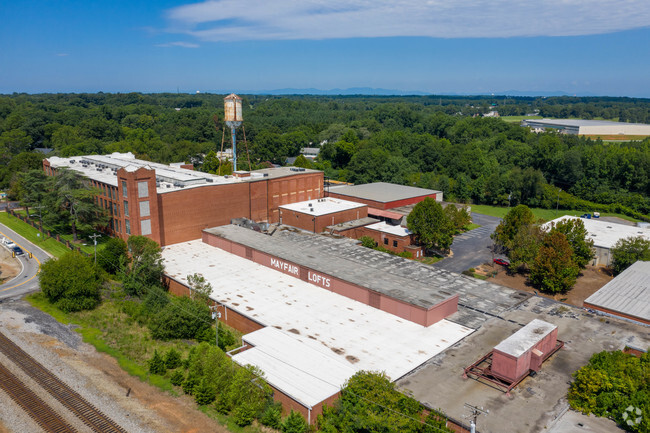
<point x="605" y="234"/>
<point x="628" y="293"/>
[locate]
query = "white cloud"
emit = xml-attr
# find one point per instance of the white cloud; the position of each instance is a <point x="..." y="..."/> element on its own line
<point x="232" y="20"/>
<point x="179" y="44"/>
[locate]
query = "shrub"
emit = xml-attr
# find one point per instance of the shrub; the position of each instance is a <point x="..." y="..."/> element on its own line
<point x="204" y="393"/>
<point x="157" y="364"/>
<point x="113" y="256"/>
<point x="71" y="283"/>
<point x="272" y="416"/>
<point x="177" y="378"/>
<point x="244" y="414"/>
<point x="294" y="423"/>
<point x="172" y="358"/>
<point x="367" y="241"/>
<point x="191" y="381"/>
<point x="182" y="317"/>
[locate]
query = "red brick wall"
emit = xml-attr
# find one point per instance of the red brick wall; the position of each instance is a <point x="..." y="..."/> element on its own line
<point x="132" y="179"/>
<point x="615" y="313"/>
<point x="292" y="189"/>
<point x="317" y="224"/>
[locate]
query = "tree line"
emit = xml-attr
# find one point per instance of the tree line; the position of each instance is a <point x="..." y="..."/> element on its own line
<point x="426" y="141"/>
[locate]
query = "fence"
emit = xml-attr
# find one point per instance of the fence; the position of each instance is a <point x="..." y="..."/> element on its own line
<point x="47" y="233"/>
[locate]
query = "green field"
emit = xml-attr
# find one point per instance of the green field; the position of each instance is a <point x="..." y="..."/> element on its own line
<point x="514" y="119"/>
<point x="545" y="214"/>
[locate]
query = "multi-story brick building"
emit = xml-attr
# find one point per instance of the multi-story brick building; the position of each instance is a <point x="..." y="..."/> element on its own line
<point x="173" y="203"/>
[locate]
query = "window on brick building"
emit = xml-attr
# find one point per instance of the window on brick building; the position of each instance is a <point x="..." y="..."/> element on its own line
<point x="144" y="208"/>
<point x="145" y="227"/>
<point x="143" y="189"/>
<point x="385" y="241"/>
<point x="127" y="227"/>
<point x="126" y="208"/>
<point x="395" y="244"/>
<point x="124" y="192"/>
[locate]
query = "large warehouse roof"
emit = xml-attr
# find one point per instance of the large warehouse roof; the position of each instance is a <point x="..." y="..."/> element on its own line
<point x="605" y="234"/>
<point x="589" y="127"/>
<point x="321" y="324"/>
<point x="628" y="293"/>
<point x="382" y="192"/>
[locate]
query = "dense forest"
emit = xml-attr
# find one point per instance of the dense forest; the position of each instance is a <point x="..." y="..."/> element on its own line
<point x="428" y="141"/>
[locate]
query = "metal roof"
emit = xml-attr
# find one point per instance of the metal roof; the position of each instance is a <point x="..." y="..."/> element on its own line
<point x="526" y="338"/>
<point x="579" y="122"/>
<point x="605" y="234"/>
<point x="382" y="192"/>
<point x="322" y="206"/>
<point x="628" y="293"/>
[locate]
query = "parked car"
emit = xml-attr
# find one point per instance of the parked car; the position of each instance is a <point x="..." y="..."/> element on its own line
<point x="501" y="262"/>
<point x="17" y="250"/>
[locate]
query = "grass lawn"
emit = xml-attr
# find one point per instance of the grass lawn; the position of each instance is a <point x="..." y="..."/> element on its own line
<point x="545" y="214"/>
<point x="30" y="233"/>
<point x="518" y="118"/>
<point x="50" y="245"/>
<point x="429" y="260"/>
<point x="471" y="226"/>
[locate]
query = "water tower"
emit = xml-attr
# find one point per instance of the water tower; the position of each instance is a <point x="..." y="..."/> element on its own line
<point x="233" y="117"/>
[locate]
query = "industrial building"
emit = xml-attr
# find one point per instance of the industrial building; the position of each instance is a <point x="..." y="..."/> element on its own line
<point x="605" y="234"/>
<point x="316" y="309"/>
<point x="382" y="195"/>
<point x="316" y="215"/>
<point x="627" y="295"/>
<point x="587" y="127"/>
<point x="173" y="203"/>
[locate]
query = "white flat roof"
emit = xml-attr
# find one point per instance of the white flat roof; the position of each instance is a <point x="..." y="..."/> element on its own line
<point x="523" y="340"/>
<point x="322" y="206"/>
<point x="605" y="234"/>
<point x="306" y="374"/>
<point x="391" y="229"/>
<point x="628" y="293"/>
<point x="319" y="321"/>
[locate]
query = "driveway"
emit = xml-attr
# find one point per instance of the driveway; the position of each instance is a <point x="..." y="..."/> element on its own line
<point x="472" y="248"/>
<point x="27" y="280"/>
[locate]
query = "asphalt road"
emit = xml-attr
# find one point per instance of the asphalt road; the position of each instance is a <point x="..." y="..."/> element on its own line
<point x="27" y="280"/>
<point x="473" y="247"/>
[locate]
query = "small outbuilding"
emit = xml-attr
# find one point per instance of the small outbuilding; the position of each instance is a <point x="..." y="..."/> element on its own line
<point x="316" y="215"/>
<point x="383" y="195"/>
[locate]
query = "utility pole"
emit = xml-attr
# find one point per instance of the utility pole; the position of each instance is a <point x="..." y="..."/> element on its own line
<point x="94" y="238"/>
<point x="475" y="412"/>
<point x="216" y="315"/>
<point x="40" y="216"/>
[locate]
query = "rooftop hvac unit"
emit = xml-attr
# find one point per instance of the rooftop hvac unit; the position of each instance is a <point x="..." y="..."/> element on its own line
<point x="311" y="205"/>
<point x="265" y="175"/>
<point x="168" y="186"/>
<point x="209" y="180"/>
<point x="72" y="161"/>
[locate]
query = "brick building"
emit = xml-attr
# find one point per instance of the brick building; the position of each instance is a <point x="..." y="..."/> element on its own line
<point x="316" y="215"/>
<point x="382" y="195"/>
<point x="394" y="238"/>
<point x="171" y="204"/>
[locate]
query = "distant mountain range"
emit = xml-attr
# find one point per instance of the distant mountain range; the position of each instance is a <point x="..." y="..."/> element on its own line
<point x="393" y="92"/>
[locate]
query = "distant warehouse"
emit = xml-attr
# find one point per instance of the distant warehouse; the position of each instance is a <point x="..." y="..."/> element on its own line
<point x="587" y="127"/>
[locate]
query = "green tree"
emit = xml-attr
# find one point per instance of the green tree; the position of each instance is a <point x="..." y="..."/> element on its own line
<point x="182" y="317"/>
<point x="627" y="251"/>
<point x="146" y="267"/>
<point x="200" y="288"/>
<point x="367" y="241"/>
<point x="577" y="235"/>
<point x="525" y="247"/>
<point x="177" y="378"/>
<point x="554" y="270"/>
<point x="301" y="161"/>
<point x="157" y="364"/>
<point x="113" y="256"/>
<point x="75" y="203"/>
<point x="295" y="423"/>
<point x="172" y="358"/>
<point x="71" y="282"/>
<point x="518" y="217"/>
<point x="429" y="223"/>
<point x="458" y="217"/>
<point x="33" y="186"/>
<point x="204" y="393"/>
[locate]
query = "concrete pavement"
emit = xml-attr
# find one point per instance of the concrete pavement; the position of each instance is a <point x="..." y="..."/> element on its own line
<point x="27" y="280"/>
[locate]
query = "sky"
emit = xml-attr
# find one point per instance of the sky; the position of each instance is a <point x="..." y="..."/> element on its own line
<point x="583" y="47"/>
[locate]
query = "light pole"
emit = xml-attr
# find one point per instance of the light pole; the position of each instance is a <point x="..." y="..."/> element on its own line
<point x="94" y="238"/>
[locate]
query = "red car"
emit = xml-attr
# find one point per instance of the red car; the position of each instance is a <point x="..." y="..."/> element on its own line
<point x="501" y="262"/>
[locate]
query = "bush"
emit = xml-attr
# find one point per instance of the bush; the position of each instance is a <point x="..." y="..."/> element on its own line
<point x="367" y="241"/>
<point x="244" y="414"/>
<point x="71" y="282"/>
<point x="157" y="364"/>
<point x="182" y="317"/>
<point x="226" y="338"/>
<point x="191" y="381"/>
<point x="113" y="256"/>
<point x="204" y="393"/>
<point x="272" y="416"/>
<point x="177" y="378"/>
<point x="295" y="423"/>
<point x="172" y="358"/>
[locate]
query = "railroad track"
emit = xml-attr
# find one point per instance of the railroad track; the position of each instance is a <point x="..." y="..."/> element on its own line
<point x="36" y="408"/>
<point x="86" y="412"/>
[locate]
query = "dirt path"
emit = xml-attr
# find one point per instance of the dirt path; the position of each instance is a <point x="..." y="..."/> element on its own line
<point x="590" y="280"/>
<point x="148" y="407"/>
<point x="9" y="266"/>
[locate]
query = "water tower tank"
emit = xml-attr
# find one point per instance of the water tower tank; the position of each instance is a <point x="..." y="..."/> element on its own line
<point x="232" y="108"/>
